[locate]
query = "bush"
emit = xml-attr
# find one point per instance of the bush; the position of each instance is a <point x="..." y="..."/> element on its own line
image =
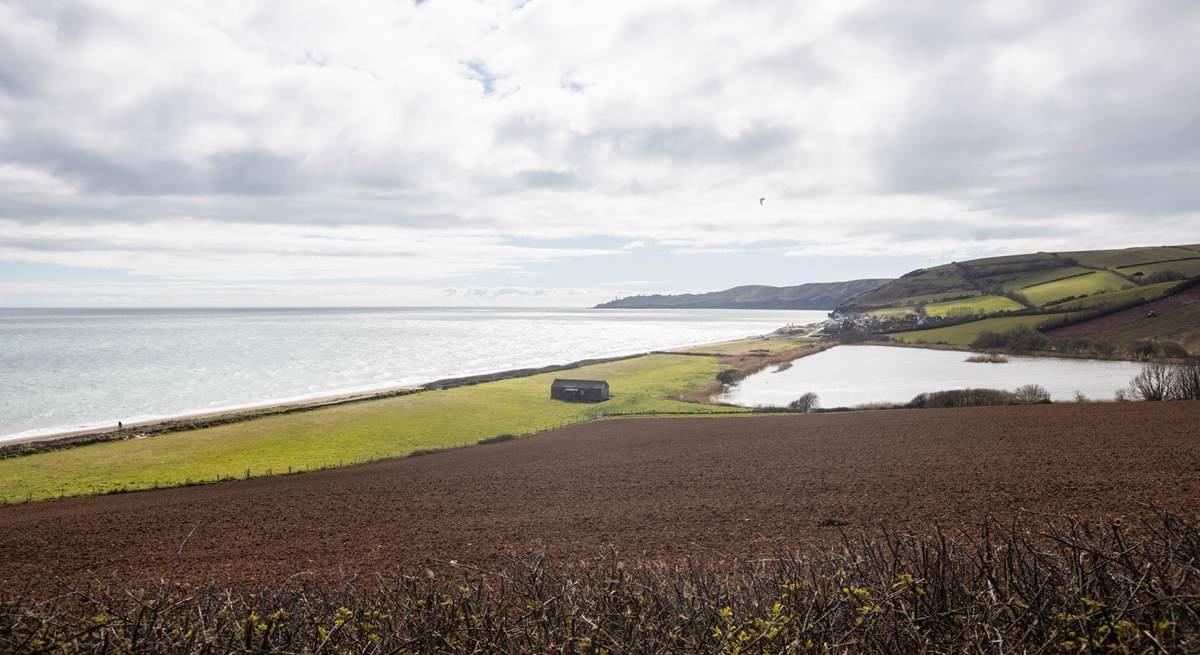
<point x="962" y="398"/>
<point x="1185" y="381"/>
<point x="1032" y="394"/>
<point x="1019" y="339"/>
<point x="1163" y="276"/>
<point x="1034" y="584"/>
<point x="987" y="340"/>
<point x="1172" y="349"/>
<point x="806" y="403"/>
<point x="1143" y="349"/>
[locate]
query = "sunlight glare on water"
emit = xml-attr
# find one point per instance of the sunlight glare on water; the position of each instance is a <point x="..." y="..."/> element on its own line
<point x="847" y="376"/>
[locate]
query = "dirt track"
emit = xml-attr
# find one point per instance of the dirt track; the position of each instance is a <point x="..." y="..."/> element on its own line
<point x="660" y="488"/>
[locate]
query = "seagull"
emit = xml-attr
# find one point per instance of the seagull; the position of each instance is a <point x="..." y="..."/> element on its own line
<point x="761" y="200"/>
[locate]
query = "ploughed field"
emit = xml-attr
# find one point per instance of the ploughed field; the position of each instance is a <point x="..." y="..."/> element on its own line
<point x="650" y="488"/>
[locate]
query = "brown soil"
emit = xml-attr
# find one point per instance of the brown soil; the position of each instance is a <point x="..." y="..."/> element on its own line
<point x="659" y="488"/>
<point x="1128" y="317"/>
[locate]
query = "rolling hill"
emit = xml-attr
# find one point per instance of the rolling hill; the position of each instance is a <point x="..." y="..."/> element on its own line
<point x="1032" y="281"/>
<point x="957" y="301"/>
<point x="815" y="295"/>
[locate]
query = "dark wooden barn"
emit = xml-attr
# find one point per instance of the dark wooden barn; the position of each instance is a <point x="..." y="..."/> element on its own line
<point x="592" y="391"/>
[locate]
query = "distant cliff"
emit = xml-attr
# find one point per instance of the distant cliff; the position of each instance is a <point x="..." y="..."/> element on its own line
<point x="815" y="295"/>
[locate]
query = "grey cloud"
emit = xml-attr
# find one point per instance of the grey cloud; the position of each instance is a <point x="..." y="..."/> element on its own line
<point x="545" y="179"/>
<point x="1115" y="136"/>
<point x="100" y="172"/>
<point x="257" y="172"/>
<point x="697" y="144"/>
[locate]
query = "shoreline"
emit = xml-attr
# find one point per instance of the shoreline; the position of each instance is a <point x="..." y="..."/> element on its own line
<point x="203" y="419"/>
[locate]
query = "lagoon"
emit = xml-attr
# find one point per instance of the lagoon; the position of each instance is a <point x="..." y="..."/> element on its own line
<point x="847" y="376"/>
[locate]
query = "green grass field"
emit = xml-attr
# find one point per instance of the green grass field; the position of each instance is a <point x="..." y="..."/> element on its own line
<point x="1035" y="275"/>
<point x="965" y="333"/>
<point x="927" y="298"/>
<point x="1092" y="283"/>
<point x="973" y="305"/>
<point x="356" y="432"/>
<point x="1042" y="277"/>
<point x="1148" y="292"/>
<point x="1188" y="267"/>
<point x="768" y="346"/>
<point x="1129" y="256"/>
<point x="976" y="305"/>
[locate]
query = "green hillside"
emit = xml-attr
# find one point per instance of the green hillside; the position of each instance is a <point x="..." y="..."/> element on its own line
<point x="1030" y="281"/>
<point x="1022" y="290"/>
<point x="814" y="295"/>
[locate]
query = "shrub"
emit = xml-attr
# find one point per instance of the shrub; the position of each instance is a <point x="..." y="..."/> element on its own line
<point x="962" y="398"/>
<point x="1143" y="349"/>
<point x="1185" y="381"/>
<point x="1172" y="349"/>
<point x="992" y="358"/>
<point x="806" y="403"/>
<point x="1163" y="276"/>
<point x="1080" y="397"/>
<point x="1019" y="339"/>
<point x="1034" y="584"/>
<point x="1104" y="348"/>
<point x="1032" y="394"/>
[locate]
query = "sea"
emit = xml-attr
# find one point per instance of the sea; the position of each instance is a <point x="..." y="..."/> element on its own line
<point x="72" y="369"/>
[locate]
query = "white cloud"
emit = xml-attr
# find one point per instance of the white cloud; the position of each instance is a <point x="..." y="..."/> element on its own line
<point x="377" y="139"/>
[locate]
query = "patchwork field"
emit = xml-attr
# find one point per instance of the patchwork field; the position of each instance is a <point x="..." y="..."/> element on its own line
<point x="1189" y="267"/>
<point x="1144" y="293"/>
<point x="356" y="432"/>
<point x="1079" y="285"/>
<point x="1131" y="256"/>
<point x="964" y="334"/>
<point x="1040" y="278"/>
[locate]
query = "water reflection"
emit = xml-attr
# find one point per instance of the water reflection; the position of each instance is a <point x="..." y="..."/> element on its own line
<point x="846" y="376"/>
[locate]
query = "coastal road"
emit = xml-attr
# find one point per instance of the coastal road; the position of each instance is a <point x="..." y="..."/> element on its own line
<point x="659" y="488"/>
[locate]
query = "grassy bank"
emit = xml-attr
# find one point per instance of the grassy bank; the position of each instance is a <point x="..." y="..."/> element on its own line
<point x="339" y="435"/>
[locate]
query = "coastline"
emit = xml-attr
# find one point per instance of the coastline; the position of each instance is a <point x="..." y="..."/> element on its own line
<point x="250" y="411"/>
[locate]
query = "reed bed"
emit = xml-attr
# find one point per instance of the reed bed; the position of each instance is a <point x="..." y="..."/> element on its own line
<point x="1033" y="584"/>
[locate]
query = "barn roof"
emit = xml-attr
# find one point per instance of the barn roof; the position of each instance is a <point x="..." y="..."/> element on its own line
<point x="580" y="384"/>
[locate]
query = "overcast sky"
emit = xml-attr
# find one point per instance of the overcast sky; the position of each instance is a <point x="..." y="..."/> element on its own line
<point x="565" y="152"/>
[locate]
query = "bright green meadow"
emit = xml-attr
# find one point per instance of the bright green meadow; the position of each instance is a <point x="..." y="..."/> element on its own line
<point x="357" y="432"/>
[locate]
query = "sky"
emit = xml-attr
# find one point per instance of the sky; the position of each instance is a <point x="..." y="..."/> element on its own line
<point x="546" y="152"/>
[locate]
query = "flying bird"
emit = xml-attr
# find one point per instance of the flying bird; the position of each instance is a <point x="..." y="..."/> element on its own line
<point x="762" y="201"/>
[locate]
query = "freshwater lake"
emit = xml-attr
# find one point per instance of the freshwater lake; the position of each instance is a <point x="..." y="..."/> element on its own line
<point x="66" y="369"/>
<point x="846" y="376"/>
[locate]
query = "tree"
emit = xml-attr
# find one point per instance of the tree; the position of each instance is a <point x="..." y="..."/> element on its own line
<point x="1185" y="381"/>
<point x="806" y="403"/>
<point x="1032" y="394"/>
<point x="1153" y="383"/>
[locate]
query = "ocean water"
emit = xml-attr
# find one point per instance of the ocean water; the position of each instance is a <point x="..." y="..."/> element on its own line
<point x="66" y="369"/>
<point x="846" y="376"/>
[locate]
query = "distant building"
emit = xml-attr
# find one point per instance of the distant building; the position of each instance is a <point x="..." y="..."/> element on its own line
<point x="592" y="391"/>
